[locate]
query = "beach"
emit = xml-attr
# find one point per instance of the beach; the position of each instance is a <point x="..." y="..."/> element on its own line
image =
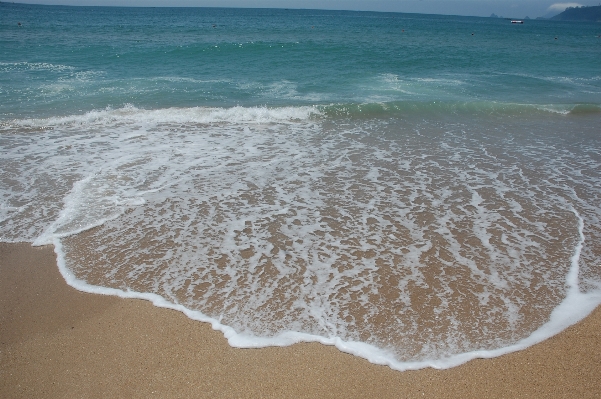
<point x="57" y="342"/>
<point x="266" y="202"/>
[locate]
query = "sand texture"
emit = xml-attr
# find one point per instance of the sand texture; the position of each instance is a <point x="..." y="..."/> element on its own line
<point x="56" y="342"/>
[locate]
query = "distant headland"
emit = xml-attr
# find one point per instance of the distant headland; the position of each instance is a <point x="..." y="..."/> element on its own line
<point x="584" y="13"/>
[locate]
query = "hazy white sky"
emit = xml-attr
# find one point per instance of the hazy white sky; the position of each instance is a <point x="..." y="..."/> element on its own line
<point x="506" y="8"/>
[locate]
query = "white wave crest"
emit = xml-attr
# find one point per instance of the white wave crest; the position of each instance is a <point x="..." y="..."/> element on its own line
<point x="195" y="115"/>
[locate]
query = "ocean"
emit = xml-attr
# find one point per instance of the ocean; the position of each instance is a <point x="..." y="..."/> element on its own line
<point x="417" y="190"/>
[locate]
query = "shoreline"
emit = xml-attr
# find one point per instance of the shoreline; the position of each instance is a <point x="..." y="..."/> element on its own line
<point x="56" y="341"/>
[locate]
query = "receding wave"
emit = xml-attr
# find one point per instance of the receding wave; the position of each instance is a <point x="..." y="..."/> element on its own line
<point x="276" y="225"/>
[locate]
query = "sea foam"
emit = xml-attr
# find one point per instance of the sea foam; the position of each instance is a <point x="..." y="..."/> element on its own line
<point x="410" y="248"/>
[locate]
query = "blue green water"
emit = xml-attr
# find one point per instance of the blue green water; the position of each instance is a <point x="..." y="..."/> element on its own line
<point x="70" y="59"/>
<point x="418" y="190"/>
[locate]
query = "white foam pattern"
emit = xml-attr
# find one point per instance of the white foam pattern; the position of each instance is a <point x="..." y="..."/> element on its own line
<point x="410" y="244"/>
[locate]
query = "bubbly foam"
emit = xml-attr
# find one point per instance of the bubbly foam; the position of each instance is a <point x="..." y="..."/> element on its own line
<point x="411" y="244"/>
<point x="197" y="115"/>
<point x="34" y="66"/>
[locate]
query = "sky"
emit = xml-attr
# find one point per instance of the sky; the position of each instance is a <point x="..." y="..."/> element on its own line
<point x="483" y="8"/>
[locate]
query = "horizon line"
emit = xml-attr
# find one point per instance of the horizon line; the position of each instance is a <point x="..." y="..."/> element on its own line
<point x="268" y="8"/>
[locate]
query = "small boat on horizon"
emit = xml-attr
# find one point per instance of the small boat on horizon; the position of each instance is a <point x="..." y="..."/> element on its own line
<point x="517" y="21"/>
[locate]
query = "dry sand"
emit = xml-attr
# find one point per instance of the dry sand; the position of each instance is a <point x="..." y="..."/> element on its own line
<point x="56" y="342"/>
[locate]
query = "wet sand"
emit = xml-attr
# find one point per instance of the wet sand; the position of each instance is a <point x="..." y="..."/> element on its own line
<point x="57" y="342"/>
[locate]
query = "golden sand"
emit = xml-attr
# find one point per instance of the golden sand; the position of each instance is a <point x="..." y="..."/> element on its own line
<point x="57" y="342"/>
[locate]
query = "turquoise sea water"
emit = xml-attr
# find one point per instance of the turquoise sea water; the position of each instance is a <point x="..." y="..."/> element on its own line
<point x="64" y="60"/>
<point x="415" y="189"/>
